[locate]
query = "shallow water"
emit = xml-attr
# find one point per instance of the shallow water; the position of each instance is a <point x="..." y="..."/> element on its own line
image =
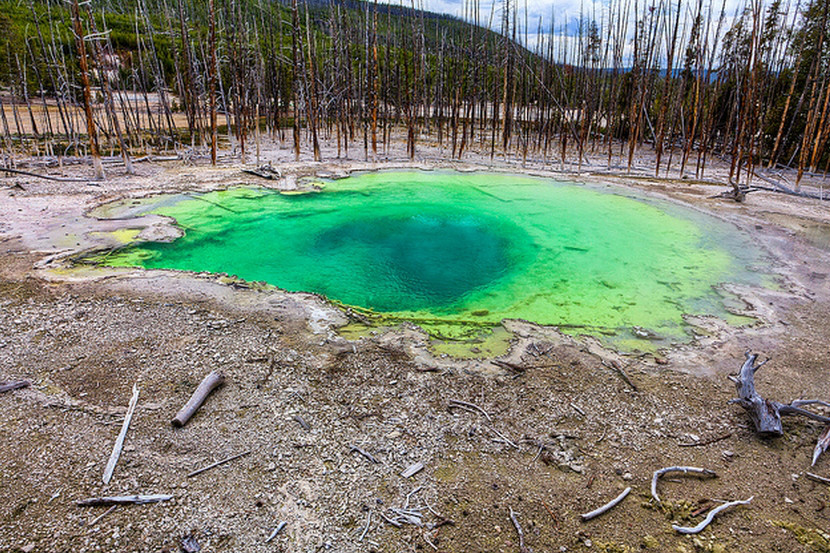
<point x="468" y="247"/>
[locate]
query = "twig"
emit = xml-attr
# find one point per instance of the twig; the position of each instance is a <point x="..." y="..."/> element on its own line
<point x="553" y="516"/>
<point x="123" y="500"/>
<point x="614" y="366"/>
<point x="119" y="441"/>
<point x="709" y="518"/>
<point x="607" y="507"/>
<point x="426" y="539"/>
<point x="366" y="528"/>
<point x="518" y="527"/>
<point x="707" y="442"/>
<point x="9" y="386"/>
<point x="207" y="385"/>
<point x="302" y="422"/>
<point x="577" y="409"/>
<point x="217" y="463"/>
<point x="470" y="407"/>
<point x="817" y="478"/>
<point x="503" y="438"/>
<point x="684" y="470"/>
<point x="276" y="531"/>
<point x="365" y="453"/>
<point x="95" y="520"/>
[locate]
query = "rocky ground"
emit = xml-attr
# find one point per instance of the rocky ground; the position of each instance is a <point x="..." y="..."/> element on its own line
<point x="561" y="437"/>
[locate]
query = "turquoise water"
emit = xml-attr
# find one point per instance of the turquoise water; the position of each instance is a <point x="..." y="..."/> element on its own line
<point x="446" y="246"/>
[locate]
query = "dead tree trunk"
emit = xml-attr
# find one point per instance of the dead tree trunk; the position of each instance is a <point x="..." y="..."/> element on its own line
<point x="90" y="122"/>
<point x="766" y="413"/>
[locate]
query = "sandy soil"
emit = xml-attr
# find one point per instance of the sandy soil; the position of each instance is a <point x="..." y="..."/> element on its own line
<point x="564" y="436"/>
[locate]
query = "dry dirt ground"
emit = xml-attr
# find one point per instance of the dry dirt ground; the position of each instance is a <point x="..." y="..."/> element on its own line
<point x="560" y="438"/>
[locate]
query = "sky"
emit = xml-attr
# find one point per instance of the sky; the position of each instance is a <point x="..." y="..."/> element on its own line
<point x="565" y="13"/>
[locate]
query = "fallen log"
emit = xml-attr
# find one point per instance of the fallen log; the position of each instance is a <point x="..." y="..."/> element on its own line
<point x="207" y="385"/>
<point x="766" y="413"/>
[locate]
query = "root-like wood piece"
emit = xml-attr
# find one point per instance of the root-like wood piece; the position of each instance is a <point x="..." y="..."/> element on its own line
<point x="766" y="413"/>
<point x="207" y="385"/>
<point x="607" y="507"/>
<point x="709" y="518"/>
<point x="684" y="470"/>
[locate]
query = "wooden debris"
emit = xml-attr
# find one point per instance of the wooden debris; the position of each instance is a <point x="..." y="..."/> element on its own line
<point x="265" y="172"/>
<point x="519" y="531"/>
<point x="123" y="500"/>
<point x="576" y="408"/>
<point x="765" y="413"/>
<point x="817" y="478"/>
<point x="709" y="517"/>
<point x="366" y="528"/>
<point x="469" y="407"/>
<point x="302" y="422"/>
<point x="9" y="386"/>
<point x="119" y="441"/>
<point x="207" y="385"/>
<point x="509" y="366"/>
<point x="615" y="366"/>
<point x="365" y="453"/>
<point x="607" y="507"/>
<point x="36" y="175"/>
<point x="95" y="520"/>
<point x="276" y="531"/>
<point x="684" y="470"/>
<point x="217" y="463"/>
<point x="821" y="446"/>
<point x="189" y="544"/>
<point x="413" y="469"/>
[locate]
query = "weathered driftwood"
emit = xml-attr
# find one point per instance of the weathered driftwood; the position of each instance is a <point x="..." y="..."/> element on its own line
<point x="684" y="470"/>
<point x="469" y="407"/>
<point x="123" y="500"/>
<point x="821" y="446"/>
<point x="218" y="463"/>
<point x="207" y="385"/>
<point x="766" y="413"/>
<point x="709" y="518"/>
<point x="817" y="478"/>
<point x="519" y="531"/>
<point x="265" y="172"/>
<point x="9" y="386"/>
<point x="607" y="507"/>
<point x="119" y="441"/>
<point x="364" y="453"/>
<point x="276" y="531"/>
<point x="97" y="519"/>
<point x="413" y="469"/>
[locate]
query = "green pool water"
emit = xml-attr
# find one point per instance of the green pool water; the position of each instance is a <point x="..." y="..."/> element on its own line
<point x="457" y="250"/>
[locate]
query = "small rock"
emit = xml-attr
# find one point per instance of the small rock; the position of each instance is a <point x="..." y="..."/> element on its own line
<point x="627" y="476"/>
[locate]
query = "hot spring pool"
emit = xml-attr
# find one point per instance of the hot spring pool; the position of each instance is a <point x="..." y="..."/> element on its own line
<point x="468" y="249"/>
